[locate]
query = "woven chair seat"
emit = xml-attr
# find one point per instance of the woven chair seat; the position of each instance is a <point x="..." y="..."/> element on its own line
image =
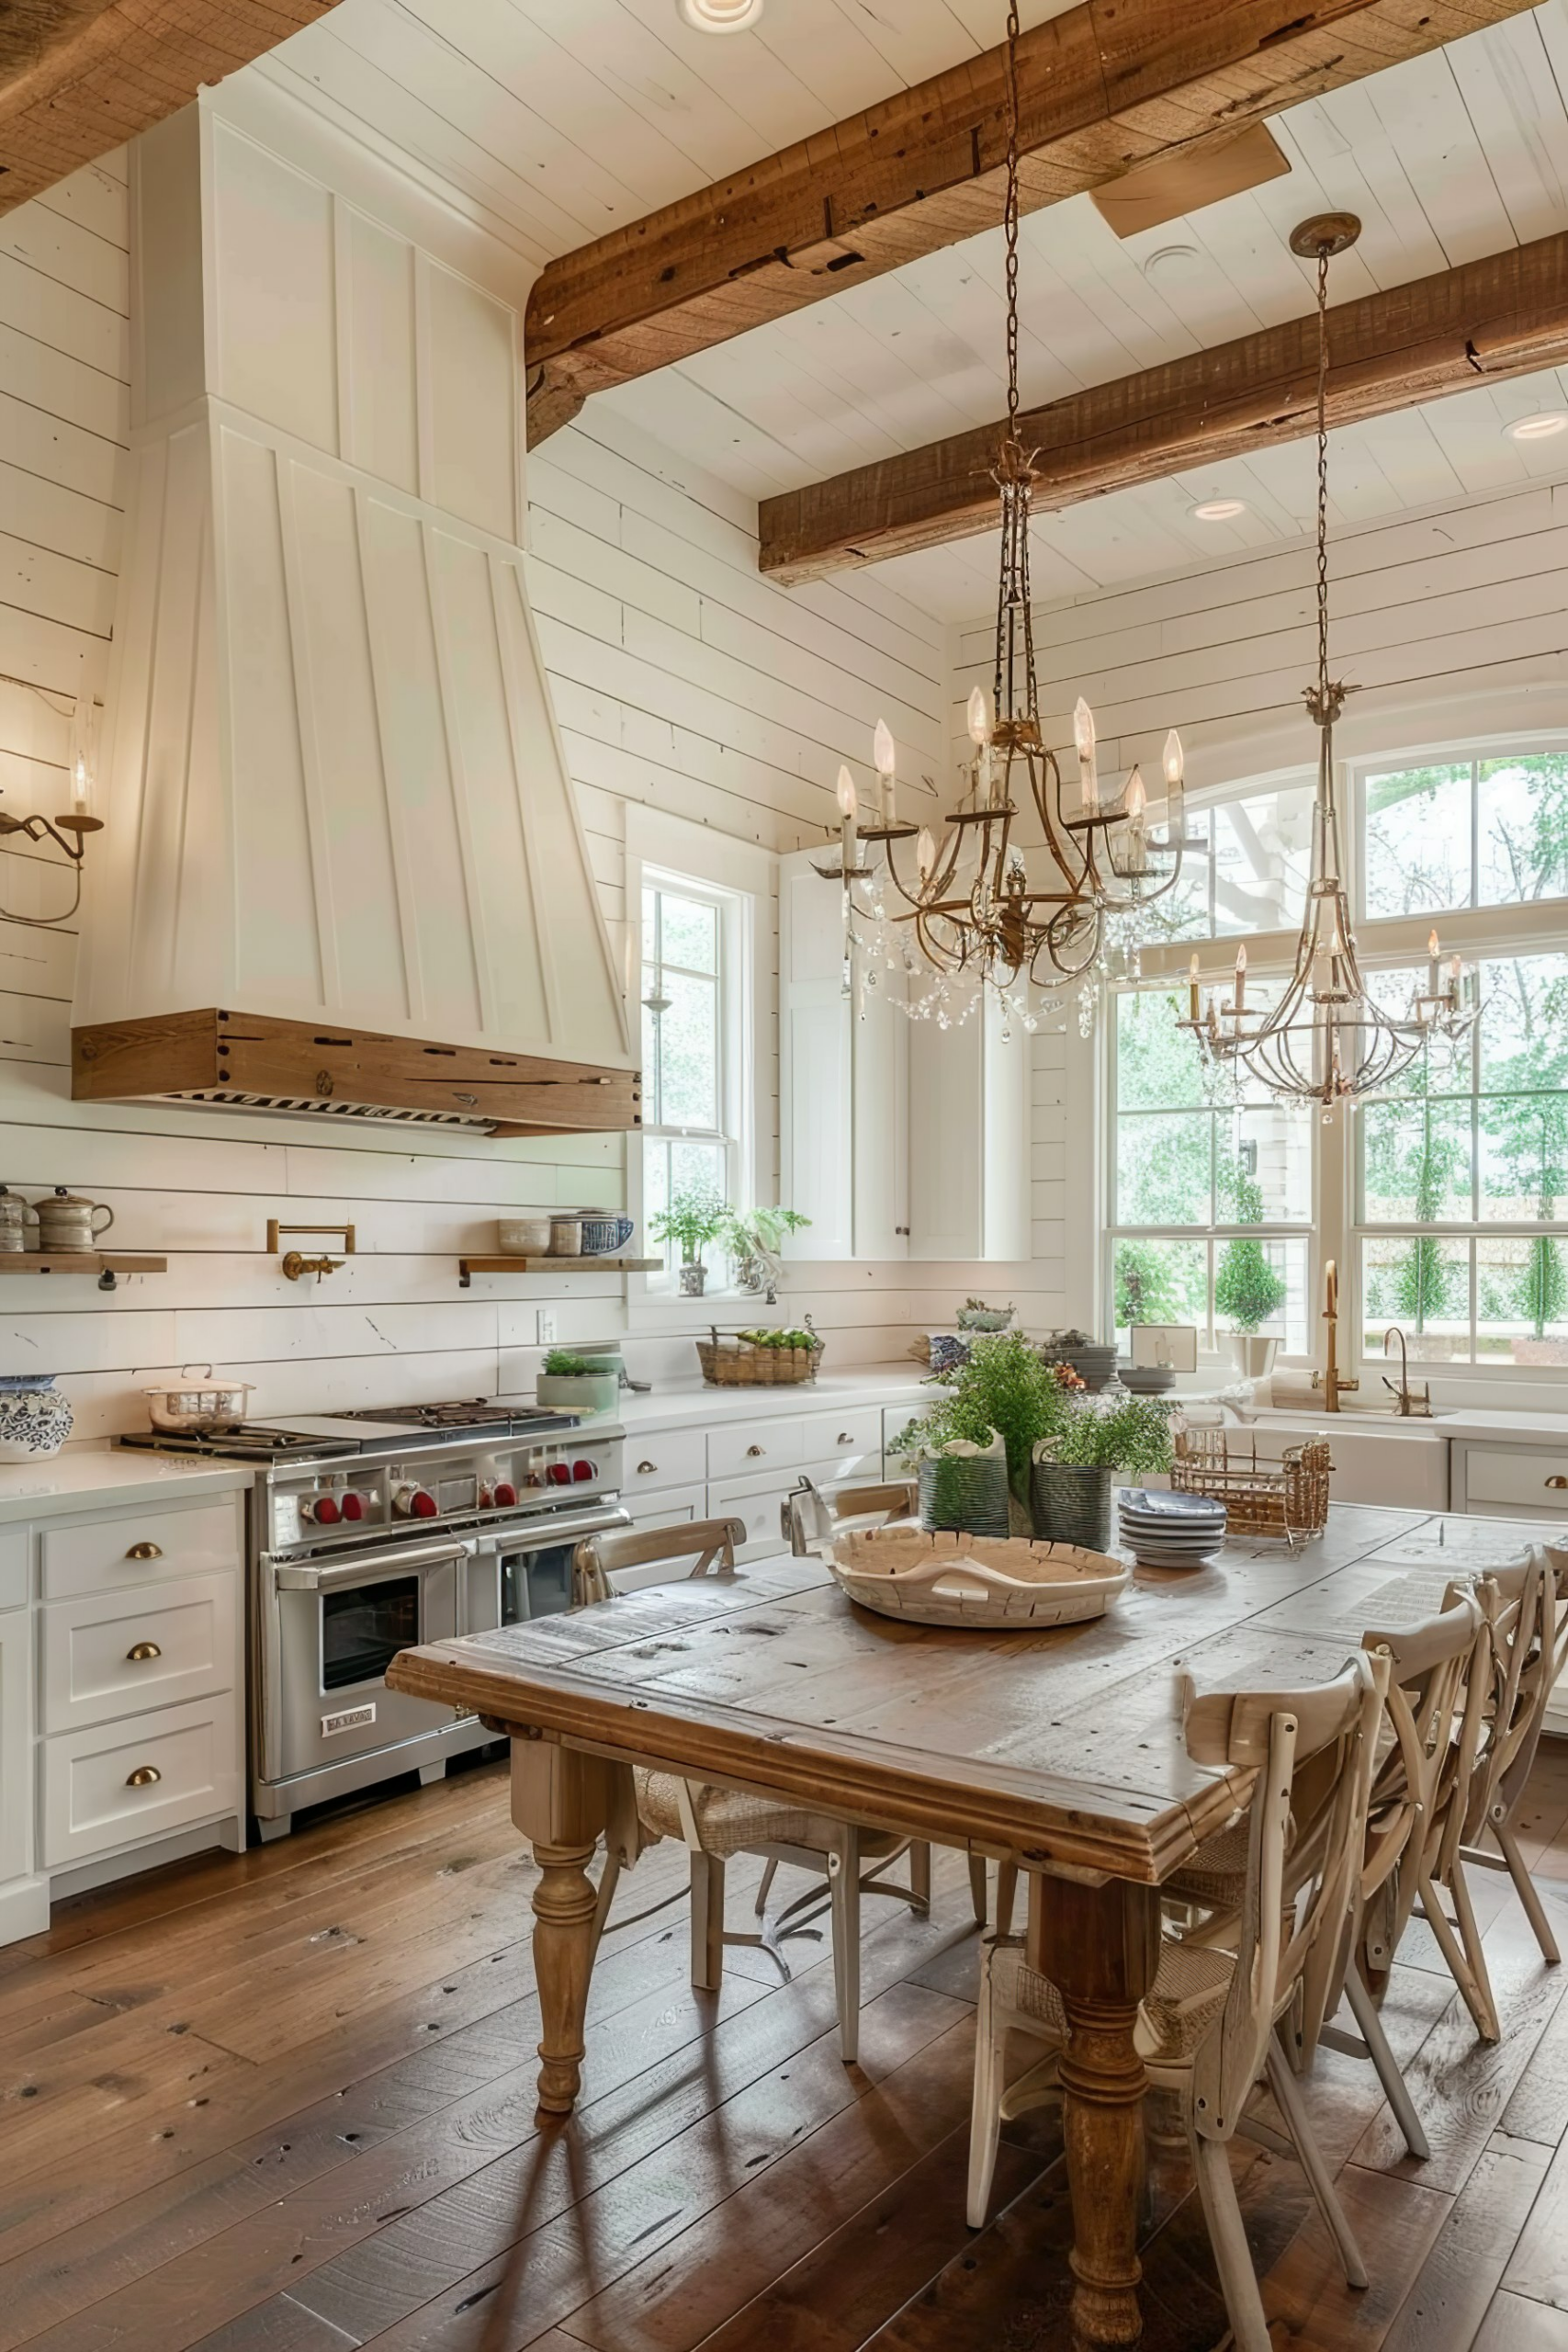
<point x="1189" y="1990"/>
<point x="731" y="1822"/>
<point x="1216" y="1875"/>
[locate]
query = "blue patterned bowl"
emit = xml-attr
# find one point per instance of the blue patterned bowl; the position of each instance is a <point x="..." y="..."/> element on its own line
<point x="601" y="1235"/>
<point x="35" y="1420"/>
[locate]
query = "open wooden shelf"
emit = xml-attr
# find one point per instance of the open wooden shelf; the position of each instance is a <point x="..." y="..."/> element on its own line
<point x="104" y="1265"/>
<point x="519" y="1265"/>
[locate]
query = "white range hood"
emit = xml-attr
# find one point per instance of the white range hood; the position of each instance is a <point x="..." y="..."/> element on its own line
<point x="342" y="870"/>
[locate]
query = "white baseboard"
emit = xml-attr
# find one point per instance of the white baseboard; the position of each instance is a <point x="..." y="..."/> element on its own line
<point x="24" y="1909"/>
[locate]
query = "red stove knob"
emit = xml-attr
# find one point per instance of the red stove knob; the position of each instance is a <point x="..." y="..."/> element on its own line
<point x="326" y="1513"/>
<point x="421" y="1504"/>
<point x="353" y="1505"/>
<point x="580" y="1470"/>
<point x="504" y="1495"/>
<point x="559" y="1475"/>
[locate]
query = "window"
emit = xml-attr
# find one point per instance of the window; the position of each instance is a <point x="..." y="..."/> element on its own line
<point x="1446" y="1203"/>
<point x="1210" y="1207"/>
<point x="691" y="1044"/>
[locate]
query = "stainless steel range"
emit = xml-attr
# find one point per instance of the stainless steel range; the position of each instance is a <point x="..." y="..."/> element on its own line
<point x="372" y="1531"/>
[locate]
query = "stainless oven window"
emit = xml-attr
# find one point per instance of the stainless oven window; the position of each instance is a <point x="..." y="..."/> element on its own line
<point x="364" y="1627"/>
<point x="536" y="1582"/>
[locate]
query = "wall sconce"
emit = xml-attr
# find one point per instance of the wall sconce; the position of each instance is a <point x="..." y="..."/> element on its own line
<point x="70" y="830"/>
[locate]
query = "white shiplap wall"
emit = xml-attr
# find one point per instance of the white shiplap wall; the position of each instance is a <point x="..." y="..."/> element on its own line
<point x="681" y="680"/>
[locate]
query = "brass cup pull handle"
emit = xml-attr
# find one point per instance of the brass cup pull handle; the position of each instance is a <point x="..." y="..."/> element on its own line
<point x="1557" y="1482"/>
<point x="145" y="1552"/>
<point x="139" y="1652"/>
<point x="843" y="1438"/>
<point x="752" y="1452"/>
<point x="143" y="1777"/>
<point x="644" y="1467"/>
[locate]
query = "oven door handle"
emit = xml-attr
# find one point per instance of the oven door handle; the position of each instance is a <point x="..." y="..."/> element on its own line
<point x="365" y="1567"/>
<point x="542" y="1534"/>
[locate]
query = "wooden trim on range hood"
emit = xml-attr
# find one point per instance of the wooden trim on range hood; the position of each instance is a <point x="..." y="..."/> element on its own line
<point x="253" y="1061"/>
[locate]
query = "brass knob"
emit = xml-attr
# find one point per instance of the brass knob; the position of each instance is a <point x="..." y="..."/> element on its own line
<point x="752" y="1451"/>
<point x="1557" y="1482"/>
<point x="141" y="1652"/>
<point x="145" y="1552"/>
<point x="644" y="1467"/>
<point x="143" y="1777"/>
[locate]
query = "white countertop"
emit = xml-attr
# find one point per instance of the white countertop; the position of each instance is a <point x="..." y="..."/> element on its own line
<point x="1535" y="1429"/>
<point x="681" y="1404"/>
<point x="97" y="1477"/>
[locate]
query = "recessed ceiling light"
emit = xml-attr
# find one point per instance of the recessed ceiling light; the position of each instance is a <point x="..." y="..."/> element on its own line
<point x="720" y="15"/>
<point x="1538" y="428"/>
<point x="1174" y="266"/>
<point x="1218" y="510"/>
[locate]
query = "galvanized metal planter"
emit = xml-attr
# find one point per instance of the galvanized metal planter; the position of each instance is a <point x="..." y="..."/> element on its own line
<point x="966" y="1491"/>
<point x="1071" y="1505"/>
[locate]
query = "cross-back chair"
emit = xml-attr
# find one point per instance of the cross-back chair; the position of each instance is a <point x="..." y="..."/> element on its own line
<point x="1528" y="1629"/>
<point x="716" y="1824"/>
<point x="1208" y="2028"/>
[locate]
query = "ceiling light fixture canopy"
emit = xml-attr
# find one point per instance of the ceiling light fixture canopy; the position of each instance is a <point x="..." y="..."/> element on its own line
<point x="1327" y="1040"/>
<point x="1217" y="510"/>
<point x="1543" y="426"/>
<point x="720" y="15"/>
<point x="1021" y="891"/>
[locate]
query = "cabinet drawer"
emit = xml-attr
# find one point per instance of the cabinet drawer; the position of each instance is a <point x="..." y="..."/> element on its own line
<point x="754" y="1447"/>
<point x="118" y="1653"/>
<point x="673" y="1458"/>
<point x="1522" y="1478"/>
<point x="107" y="1787"/>
<point x="14" y="1568"/>
<point x="139" y="1546"/>
<point x="670" y="1506"/>
<point x="852" y="1439"/>
<point x="760" y="1503"/>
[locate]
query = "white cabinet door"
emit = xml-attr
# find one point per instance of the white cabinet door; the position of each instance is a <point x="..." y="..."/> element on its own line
<point x="843" y="1081"/>
<point x="969" y="1142"/>
<point x="16" y="1744"/>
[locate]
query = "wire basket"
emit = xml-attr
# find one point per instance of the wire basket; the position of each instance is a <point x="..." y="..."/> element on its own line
<point x="1288" y="1499"/>
<point x="730" y="1361"/>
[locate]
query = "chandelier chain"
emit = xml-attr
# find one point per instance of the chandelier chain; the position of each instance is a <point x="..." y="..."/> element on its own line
<point x="1010" y="217"/>
<point x="1323" y="475"/>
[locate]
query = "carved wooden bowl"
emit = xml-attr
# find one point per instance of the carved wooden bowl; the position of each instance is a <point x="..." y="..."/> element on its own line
<point x="988" y="1582"/>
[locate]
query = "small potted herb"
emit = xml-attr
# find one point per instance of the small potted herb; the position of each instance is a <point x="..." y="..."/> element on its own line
<point x="581" y="1384"/>
<point x="976" y="1315"/>
<point x="1003" y="1391"/>
<point x="692" y="1219"/>
<point x="1070" y="1484"/>
<point x="754" y="1240"/>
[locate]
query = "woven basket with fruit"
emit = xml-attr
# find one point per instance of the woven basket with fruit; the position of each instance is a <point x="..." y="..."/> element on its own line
<point x="760" y="1359"/>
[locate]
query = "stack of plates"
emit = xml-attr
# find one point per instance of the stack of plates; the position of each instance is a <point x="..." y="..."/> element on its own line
<point x="1171" y="1531"/>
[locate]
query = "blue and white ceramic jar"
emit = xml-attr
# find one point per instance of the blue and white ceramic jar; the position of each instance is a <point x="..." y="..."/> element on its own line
<point x="35" y="1419"/>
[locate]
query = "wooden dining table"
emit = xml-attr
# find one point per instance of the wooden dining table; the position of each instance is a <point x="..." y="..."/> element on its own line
<point x="1061" y="1751"/>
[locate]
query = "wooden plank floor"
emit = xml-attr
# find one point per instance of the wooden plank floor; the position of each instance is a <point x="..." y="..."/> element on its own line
<point x="283" y="2102"/>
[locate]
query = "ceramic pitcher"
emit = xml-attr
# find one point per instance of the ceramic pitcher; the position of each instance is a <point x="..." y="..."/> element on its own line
<point x="68" y="1221"/>
<point x="16" y="1216"/>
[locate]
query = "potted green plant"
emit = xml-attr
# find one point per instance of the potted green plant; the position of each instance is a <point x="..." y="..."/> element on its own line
<point x="1247" y="1288"/>
<point x="692" y="1218"/>
<point x="976" y="1315"/>
<point x="754" y="1240"/>
<point x="1004" y="1390"/>
<point x="581" y="1384"/>
<point x="1073" y="1467"/>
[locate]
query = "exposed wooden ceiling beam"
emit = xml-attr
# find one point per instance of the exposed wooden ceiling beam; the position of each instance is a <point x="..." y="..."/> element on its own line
<point x="1108" y="85"/>
<point x="1503" y="316"/>
<point x="78" y="77"/>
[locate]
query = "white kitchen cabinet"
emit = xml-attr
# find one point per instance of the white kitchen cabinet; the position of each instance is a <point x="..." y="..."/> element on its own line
<point x="898" y="1138"/>
<point x="844" y="1076"/>
<point x="15" y="1766"/>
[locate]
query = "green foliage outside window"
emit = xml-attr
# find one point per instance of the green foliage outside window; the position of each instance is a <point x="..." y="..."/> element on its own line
<point x="1247" y="1288"/>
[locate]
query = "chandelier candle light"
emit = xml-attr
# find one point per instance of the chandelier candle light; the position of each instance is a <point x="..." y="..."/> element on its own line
<point x="1327" y="1040"/>
<point x="973" y="916"/>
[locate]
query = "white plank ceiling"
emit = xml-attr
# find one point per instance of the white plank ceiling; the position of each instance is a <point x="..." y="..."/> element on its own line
<point x="558" y="119"/>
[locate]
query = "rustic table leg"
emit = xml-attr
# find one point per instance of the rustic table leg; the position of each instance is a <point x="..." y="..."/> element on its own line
<point x="559" y="1802"/>
<point x="1099" y="1945"/>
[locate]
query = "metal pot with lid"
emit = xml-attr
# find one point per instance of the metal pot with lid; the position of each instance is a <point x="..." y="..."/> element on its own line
<point x="16" y="1216"/>
<point x="67" y="1222"/>
<point x="195" y="1410"/>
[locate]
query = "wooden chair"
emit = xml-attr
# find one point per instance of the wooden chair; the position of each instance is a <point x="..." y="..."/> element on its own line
<point x="716" y="1823"/>
<point x="1208" y="2029"/>
<point x="1528" y="1629"/>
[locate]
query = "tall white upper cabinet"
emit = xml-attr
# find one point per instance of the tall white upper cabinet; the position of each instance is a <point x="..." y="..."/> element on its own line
<point x="898" y="1138"/>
